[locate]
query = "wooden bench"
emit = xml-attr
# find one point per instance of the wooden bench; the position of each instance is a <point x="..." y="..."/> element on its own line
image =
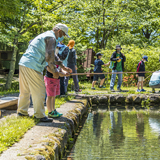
<point x="9" y="103"/>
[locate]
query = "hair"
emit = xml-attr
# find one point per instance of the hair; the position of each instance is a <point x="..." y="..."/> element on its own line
<point x="98" y="55"/>
<point x="71" y="44"/>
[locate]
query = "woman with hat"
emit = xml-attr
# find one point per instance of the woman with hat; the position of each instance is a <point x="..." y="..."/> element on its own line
<point x="72" y="62"/>
<point x="117" y="60"/>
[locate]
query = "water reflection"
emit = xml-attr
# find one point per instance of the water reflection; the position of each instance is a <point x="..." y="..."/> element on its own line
<point x="116" y="132"/>
<point x="119" y="135"/>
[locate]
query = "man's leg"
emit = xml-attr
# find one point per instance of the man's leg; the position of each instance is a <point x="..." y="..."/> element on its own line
<point x="62" y="87"/>
<point x="102" y="81"/>
<point x="119" y="81"/>
<point x="112" y="79"/>
<point x="75" y="78"/>
<point x="49" y="103"/>
<point x="141" y="84"/>
<point x="37" y="88"/>
<point x="66" y="83"/>
<point x="24" y="96"/>
<point x="93" y="83"/>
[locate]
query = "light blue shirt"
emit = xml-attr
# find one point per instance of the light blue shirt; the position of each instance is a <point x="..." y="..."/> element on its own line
<point x="34" y="57"/>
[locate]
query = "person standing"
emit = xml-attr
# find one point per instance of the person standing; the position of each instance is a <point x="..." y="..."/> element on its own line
<point x="62" y="53"/>
<point x="31" y="65"/>
<point x="72" y="63"/>
<point x="98" y="69"/>
<point x="117" y="63"/>
<point x="141" y="68"/>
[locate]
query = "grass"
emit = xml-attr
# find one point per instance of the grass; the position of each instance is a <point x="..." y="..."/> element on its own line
<point x="12" y="128"/>
<point x="86" y="89"/>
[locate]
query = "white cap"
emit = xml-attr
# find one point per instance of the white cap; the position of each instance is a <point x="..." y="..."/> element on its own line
<point x="63" y="27"/>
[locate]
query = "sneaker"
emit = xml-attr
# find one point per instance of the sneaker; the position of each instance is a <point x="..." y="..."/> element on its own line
<point x="54" y="114"/>
<point x="112" y="90"/>
<point x="119" y="90"/>
<point x="78" y="91"/>
<point x="102" y="87"/>
<point x="93" y="88"/>
<point x="21" y="115"/>
<point x="142" y="90"/>
<point x="138" y="90"/>
<point x="44" y="119"/>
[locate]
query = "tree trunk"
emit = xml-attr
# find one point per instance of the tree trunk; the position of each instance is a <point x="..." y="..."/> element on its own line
<point x="12" y="65"/>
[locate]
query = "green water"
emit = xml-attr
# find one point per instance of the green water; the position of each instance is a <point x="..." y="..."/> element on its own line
<point x="119" y="135"/>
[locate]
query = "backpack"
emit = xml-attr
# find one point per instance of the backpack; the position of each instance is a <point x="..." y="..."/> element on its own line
<point x="63" y="52"/>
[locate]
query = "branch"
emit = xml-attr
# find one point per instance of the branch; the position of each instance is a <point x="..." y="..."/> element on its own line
<point x="29" y="27"/>
<point x="23" y="18"/>
<point x="57" y="7"/>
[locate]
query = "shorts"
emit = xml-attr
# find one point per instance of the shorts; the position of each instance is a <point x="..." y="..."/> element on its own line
<point x="52" y="86"/>
<point x="96" y="76"/>
<point x="140" y="78"/>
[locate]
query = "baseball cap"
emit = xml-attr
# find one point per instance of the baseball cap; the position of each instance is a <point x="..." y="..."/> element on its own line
<point x="63" y="27"/>
<point x="99" y="54"/>
<point x="146" y="58"/>
<point x="60" y="45"/>
<point x="118" y="46"/>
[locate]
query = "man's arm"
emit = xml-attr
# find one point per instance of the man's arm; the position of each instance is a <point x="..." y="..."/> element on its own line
<point x="113" y="57"/>
<point x="107" y="64"/>
<point x="50" y="54"/>
<point x="55" y="74"/>
<point x="124" y="57"/>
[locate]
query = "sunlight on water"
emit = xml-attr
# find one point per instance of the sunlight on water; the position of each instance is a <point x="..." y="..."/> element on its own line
<point x="119" y="135"/>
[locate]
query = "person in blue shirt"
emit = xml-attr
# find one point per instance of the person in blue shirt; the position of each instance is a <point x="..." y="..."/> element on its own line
<point x="98" y="69"/>
<point x="40" y="53"/>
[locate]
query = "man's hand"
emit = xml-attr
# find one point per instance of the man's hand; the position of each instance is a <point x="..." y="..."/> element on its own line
<point x="67" y="74"/>
<point x="67" y="69"/>
<point x="55" y="75"/>
<point x="136" y="75"/>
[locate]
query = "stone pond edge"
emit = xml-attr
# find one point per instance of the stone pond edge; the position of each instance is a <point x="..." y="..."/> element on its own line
<point x="53" y="146"/>
<point x="130" y="99"/>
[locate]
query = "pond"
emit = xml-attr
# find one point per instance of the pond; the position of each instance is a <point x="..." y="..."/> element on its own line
<point x="119" y="135"/>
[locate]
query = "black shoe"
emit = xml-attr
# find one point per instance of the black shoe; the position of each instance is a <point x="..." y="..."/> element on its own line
<point x="44" y="119"/>
<point x="22" y="115"/>
<point x="118" y="89"/>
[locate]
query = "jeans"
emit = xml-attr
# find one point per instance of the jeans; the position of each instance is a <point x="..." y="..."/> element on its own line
<point x="113" y="79"/>
<point x="75" y="79"/>
<point x="62" y="86"/>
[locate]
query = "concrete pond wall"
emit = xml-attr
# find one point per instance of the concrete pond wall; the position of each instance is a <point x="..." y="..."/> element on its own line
<point x="131" y="99"/>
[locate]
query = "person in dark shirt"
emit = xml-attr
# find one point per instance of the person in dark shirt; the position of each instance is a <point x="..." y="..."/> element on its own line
<point x="53" y="89"/>
<point x="141" y="68"/>
<point x="72" y="63"/>
<point x="117" y="65"/>
<point x="98" y="69"/>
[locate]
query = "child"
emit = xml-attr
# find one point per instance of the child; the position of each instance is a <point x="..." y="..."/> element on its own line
<point x="97" y="69"/>
<point x="53" y="89"/>
<point x="141" y="68"/>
